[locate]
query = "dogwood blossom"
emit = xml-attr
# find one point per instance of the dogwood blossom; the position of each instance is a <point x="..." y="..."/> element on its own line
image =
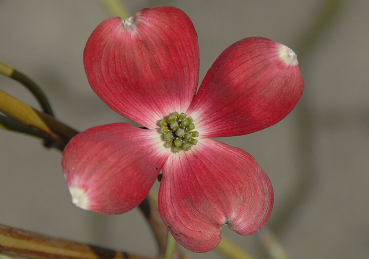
<point x="147" y="69"/>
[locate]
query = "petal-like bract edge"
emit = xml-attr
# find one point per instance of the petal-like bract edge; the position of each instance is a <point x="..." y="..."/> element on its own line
<point x="111" y="168"/>
<point x="144" y="67"/>
<point x="211" y="185"/>
<point x="252" y="85"/>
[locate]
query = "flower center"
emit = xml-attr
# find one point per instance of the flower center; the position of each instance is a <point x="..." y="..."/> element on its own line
<point x="177" y="132"/>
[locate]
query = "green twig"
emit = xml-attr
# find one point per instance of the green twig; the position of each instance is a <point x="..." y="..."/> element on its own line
<point x="229" y="250"/>
<point x="170" y="246"/>
<point x="39" y="121"/>
<point x="272" y="244"/>
<point x="13" y="125"/>
<point x="116" y="8"/>
<point x="149" y="208"/>
<point x="30" y="85"/>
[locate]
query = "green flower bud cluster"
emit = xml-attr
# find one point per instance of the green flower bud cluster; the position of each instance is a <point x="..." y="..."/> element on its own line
<point x="177" y="132"/>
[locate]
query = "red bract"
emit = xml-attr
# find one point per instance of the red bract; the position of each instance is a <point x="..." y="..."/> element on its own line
<point x="146" y="68"/>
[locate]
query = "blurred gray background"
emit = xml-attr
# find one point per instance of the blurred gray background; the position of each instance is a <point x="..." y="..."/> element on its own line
<point x="317" y="157"/>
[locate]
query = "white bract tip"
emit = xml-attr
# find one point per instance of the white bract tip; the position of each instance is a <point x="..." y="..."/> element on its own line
<point x="288" y="56"/>
<point x="128" y="21"/>
<point x="79" y="198"/>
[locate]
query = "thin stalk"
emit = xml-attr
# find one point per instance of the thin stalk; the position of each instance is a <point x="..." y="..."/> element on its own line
<point x="229" y="250"/>
<point x="116" y="8"/>
<point x="13" y="125"/>
<point x="42" y="122"/>
<point x="30" y="85"/>
<point x="149" y="208"/>
<point x="272" y="245"/>
<point x="170" y="247"/>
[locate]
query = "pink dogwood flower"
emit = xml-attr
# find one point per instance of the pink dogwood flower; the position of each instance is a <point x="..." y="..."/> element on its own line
<point x="146" y="68"/>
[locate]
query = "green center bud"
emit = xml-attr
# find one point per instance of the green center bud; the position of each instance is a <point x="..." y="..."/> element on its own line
<point x="177" y="132"/>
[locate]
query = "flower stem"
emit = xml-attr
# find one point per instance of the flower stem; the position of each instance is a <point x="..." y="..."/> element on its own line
<point x="170" y="247"/>
<point x="42" y="122"/>
<point x="272" y="244"/>
<point x="116" y="8"/>
<point x="230" y="250"/>
<point x="13" y="125"/>
<point x="29" y="84"/>
<point x="20" y="243"/>
<point x="149" y="208"/>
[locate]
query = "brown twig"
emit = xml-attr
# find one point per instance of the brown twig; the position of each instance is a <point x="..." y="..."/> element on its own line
<point x="32" y="245"/>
